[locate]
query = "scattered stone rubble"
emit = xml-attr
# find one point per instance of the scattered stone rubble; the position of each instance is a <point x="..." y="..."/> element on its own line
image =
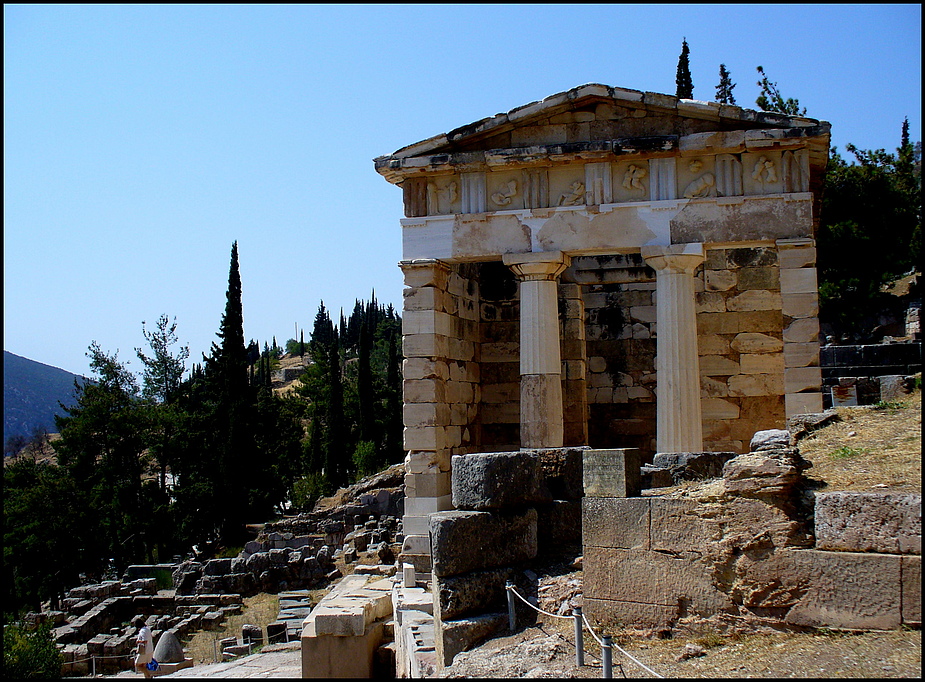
<point x="94" y="622"/>
<point x="288" y="558"/>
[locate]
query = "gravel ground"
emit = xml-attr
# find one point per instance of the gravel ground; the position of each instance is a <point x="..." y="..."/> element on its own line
<point x="548" y="650"/>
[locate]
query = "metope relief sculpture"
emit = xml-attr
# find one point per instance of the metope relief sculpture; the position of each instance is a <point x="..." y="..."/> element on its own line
<point x="574" y="197"/>
<point x="632" y="179"/>
<point x="702" y="187"/>
<point x="728" y="176"/>
<point x="440" y="198"/>
<point x="764" y="171"/>
<point x="505" y="195"/>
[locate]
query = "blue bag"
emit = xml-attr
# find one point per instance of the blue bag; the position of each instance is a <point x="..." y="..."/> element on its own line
<point x="152" y="665"/>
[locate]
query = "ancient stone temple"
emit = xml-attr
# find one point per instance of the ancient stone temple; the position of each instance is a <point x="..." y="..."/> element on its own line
<point x="606" y="268"/>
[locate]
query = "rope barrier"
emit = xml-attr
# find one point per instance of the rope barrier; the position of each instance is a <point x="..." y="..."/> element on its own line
<point x="591" y="630"/>
<point x="547" y="613"/>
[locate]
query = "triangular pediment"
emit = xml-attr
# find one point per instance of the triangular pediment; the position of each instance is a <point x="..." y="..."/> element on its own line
<point x="595" y="113"/>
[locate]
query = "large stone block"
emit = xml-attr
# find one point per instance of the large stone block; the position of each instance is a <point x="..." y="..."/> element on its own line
<point x="617" y="522"/>
<point x="912" y="590"/>
<point x="691" y="466"/>
<point x="496" y="480"/>
<point x="869" y="522"/>
<point x="475" y="592"/>
<point x="614" y="614"/>
<point x="612" y="473"/>
<point x="456" y="636"/>
<point x="463" y="541"/>
<point x="561" y="472"/>
<point x="848" y="590"/>
<point x="650" y="577"/>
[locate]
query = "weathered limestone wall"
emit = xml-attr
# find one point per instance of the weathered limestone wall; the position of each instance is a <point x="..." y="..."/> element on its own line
<point x="753" y="547"/>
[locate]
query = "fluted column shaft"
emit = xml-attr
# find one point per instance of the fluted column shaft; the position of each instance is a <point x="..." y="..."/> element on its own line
<point x="541" y="415"/>
<point x="679" y="425"/>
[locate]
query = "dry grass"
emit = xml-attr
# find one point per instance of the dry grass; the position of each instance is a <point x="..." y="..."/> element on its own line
<point x="870" y="449"/>
<point x="260" y="609"/>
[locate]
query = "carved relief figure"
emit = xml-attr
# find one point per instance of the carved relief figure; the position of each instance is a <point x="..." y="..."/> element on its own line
<point x="632" y="179"/>
<point x="449" y="193"/>
<point x="702" y="186"/>
<point x="574" y="198"/>
<point x="764" y="167"/>
<point x="440" y="199"/>
<point x="502" y="197"/>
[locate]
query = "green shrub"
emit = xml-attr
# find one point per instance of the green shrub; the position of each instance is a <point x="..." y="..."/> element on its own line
<point x="845" y="452"/>
<point x="30" y="653"/>
<point x="307" y="490"/>
<point x="890" y="405"/>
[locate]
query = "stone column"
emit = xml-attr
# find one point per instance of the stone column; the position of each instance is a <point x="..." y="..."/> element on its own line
<point x="541" y="422"/>
<point x="678" y="415"/>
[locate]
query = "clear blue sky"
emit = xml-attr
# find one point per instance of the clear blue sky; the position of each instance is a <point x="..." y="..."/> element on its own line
<point x="141" y="141"/>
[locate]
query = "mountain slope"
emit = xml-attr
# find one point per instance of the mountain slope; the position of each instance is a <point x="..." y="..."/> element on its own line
<point x="31" y="392"/>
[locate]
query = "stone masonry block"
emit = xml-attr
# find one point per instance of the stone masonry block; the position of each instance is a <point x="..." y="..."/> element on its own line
<point x="803" y="403"/>
<point x="800" y="305"/>
<point x="426" y="414"/>
<point x="463" y="541"/>
<point x="424" y="391"/>
<point x="804" y="330"/>
<point x="424" y="368"/>
<point x="799" y="379"/>
<point x="650" y="577"/>
<point x="848" y="590"/>
<point x="617" y="522"/>
<point x="612" y="473"/>
<point x="798" y="281"/>
<point x="496" y="480"/>
<point x="614" y="614"/>
<point x="801" y="354"/>
<point x="912" y="590"/>
<point x="869" y="522"/>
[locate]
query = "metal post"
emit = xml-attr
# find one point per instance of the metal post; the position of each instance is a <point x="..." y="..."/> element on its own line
<point x="511" y="617"/>
<point x="93" y="663"/>
<point x="579" y="637"/>
<point x="608" y="662"/>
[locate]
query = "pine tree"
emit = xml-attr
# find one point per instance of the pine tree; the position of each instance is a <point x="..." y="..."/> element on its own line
<point x="770" y="99"/>
<point x="724" y="89"/>
<point x="685" y="86"/>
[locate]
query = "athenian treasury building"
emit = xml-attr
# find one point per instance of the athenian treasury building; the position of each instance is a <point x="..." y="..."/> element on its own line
<point x="609" y="268"/>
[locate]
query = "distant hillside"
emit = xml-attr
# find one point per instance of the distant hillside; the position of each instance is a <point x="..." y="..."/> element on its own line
<point x="31" y="392"/>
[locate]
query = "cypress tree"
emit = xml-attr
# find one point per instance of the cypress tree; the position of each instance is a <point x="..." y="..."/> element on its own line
<point x="685" y="86"/>
<point x="336" y="436"/>
<point x="724" y="89"/>
<point x="367" y="420"/>
<point x="232" y="428"/>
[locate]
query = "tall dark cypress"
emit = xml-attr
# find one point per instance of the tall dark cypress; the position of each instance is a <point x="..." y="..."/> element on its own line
<point x="367" y="418"/>
<point x="683" y="79"/>
<point x="232" y="428"/>
<point x="335" y="468"/>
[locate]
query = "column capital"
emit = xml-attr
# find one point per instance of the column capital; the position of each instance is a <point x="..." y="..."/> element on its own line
<point x="678" y="258"/>
<point x="538" y="266"/>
